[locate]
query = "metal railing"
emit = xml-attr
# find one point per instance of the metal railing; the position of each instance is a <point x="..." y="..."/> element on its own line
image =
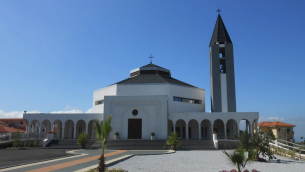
<point x="289" y="146"/>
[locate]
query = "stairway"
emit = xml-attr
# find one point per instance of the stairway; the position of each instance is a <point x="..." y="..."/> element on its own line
<point x="130" y="144"/>
<point x="158" y="144"/>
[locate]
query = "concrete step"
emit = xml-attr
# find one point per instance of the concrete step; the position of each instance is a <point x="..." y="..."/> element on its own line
<point x="129" y="144"/>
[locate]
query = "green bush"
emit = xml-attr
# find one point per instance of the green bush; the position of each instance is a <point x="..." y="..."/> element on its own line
<point x="173" y="141"/>
<point x="35" y="144"/>
<point x="17" y="143"/>
<point x="30" y="144"/>
<point x="83" y="140"/>
<point x="25" y="144"/>
<point x="40" y="144"/>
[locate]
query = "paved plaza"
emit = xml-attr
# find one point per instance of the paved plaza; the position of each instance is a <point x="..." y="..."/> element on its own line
<point x="58" y="160"/>
<point x="38" y="160"/>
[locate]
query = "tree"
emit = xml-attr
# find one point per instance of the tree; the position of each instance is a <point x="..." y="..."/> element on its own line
<point x="259" y="141"/>
<point x="17" y="142"/>
<point x="83" y="140"/>
<point x="239" y="159"/>
<point x="103" y="130"/>
<point x="173" y="140"/>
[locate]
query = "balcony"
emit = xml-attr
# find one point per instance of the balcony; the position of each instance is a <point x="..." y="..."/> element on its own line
<point x="290" y="132"/>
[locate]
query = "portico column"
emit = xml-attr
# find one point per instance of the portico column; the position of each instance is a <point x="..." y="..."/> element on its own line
<point x="52" y="127"/>
<point x="63" y="131"/>
<point x="187" y="131"/>
<point x="212" y="131"/>
<point x="40" y="129"/>
<point x="175" y="127"/>
<point x="26" y="129"/>
<point x="33" y="128"/>
<point x="74" y="131"/>
<point x="237" y="128"/>
<point x="199" y="132"/>
<point x="92" y="131"/>
<point x="250" y="128"/>
<point x="256" y="125"/>
<point x="86" y="128"/>
<point x="225" y="128"/>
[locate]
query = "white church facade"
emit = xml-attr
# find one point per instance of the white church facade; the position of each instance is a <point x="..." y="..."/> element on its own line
<point x="151" y="100"/>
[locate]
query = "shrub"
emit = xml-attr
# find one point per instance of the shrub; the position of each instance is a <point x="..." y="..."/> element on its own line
<point x="116" y="133"/>
<point x="152" y="134"/>
<point x="17" y="142"/>
<point x="25" y="144"/>
<point x="30" y="144"/>
<point x="40" y="144"/>
<point x="239" y="159"/>
<point x="83" y="140"/>
<point x="173" y="141"/>
<point x="35" y="144"/>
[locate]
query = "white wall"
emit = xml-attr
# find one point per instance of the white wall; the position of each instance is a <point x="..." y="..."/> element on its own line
<point x="100" y="94"/>
<point x="152" y="110"/>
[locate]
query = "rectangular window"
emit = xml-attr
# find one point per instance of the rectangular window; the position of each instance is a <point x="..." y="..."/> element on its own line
<point x="278" y="129"/>
<point x="99" y="102"/>
<point x="186" y="100"/>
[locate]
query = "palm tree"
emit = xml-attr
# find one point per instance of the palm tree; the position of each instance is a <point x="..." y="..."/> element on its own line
<point x="239" y="159"/>
<point x="103" y="130"/>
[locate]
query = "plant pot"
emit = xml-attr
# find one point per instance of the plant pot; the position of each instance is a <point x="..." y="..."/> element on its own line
<point x="152" y="137"/>
<point x="116" y="137"/>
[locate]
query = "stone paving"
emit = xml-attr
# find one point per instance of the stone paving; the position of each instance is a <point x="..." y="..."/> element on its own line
<point x="81" y="159"/>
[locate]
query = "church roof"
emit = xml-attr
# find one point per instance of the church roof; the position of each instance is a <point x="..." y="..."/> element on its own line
<point x="152" y="65"/>
<point x="153" y="78"/>
<point x="220" y="33"/>
<point x="152" y="73"/>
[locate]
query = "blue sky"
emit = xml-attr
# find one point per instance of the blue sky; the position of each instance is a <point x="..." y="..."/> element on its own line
<point x="54" y="54"/>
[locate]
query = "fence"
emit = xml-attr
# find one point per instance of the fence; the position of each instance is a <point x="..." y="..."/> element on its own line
<point x="289" y="146"/>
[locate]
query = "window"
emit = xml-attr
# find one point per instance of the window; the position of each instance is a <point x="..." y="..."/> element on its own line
<point x="278" y="129"/>
<point x="99" y="102"/>
<point x="186" y="100"/>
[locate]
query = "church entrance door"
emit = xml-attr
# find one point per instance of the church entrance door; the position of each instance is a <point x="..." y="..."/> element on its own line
<point x="134" y="128"/>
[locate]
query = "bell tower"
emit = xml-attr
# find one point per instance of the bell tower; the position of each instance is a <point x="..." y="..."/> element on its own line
<point x="223" y="98"/>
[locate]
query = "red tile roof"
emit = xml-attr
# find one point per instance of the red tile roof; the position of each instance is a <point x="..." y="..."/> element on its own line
<point x="4" y="129"/>
<point x="275" y="124"/>
<point x="11" y="119"/>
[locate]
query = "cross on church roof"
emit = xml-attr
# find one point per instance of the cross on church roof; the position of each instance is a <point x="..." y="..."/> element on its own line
<point x="151" y="57"/>
<point x="218" y="10"/>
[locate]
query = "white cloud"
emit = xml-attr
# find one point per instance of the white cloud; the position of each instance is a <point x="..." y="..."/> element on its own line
<point x="14" y="114"/>
<point x="89" y="110"/>
<point x="275" y="119"/>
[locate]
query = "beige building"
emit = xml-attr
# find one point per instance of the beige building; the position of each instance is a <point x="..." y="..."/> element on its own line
<point x="281" y="130"/>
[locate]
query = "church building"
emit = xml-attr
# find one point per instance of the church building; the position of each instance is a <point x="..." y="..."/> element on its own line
<point x="151" y="100"/>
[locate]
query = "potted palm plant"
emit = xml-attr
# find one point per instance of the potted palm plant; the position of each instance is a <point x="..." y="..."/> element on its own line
<point x="116" y="135"/>
<point x="152" y="136"/>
